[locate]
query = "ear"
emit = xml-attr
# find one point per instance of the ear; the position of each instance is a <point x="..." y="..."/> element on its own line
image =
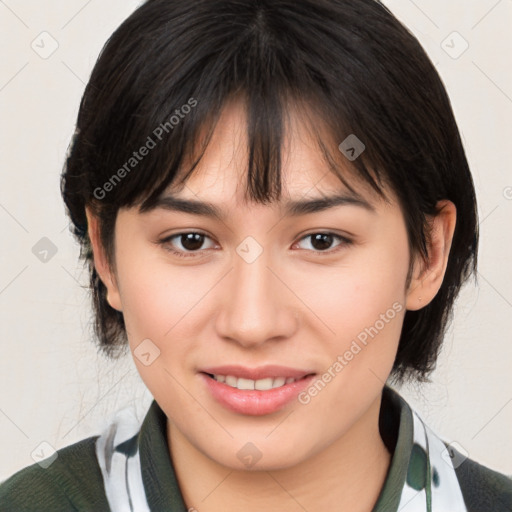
<point x="101" y="265"/>
<point x="427" y="278"/>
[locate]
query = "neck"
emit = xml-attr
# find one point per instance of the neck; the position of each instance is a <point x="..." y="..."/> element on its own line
<point x="347" y="475"/>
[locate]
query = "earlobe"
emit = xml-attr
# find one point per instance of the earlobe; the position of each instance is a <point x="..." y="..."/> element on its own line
<point x="427" y="277"/>
<point x="100" y="262"/>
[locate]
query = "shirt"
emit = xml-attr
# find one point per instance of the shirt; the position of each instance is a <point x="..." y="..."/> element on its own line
<point x="128" y="467"/>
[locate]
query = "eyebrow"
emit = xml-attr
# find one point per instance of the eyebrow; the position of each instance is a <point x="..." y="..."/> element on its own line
<point x="291" y="208"/>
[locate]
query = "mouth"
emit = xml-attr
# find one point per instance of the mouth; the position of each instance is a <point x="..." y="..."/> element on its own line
<point x="256" y="391"/>
<point x="251" y="384"/>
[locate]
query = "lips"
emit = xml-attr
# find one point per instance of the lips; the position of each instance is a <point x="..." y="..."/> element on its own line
<point x="262" y="372"/>
<point x="255" y="391"/>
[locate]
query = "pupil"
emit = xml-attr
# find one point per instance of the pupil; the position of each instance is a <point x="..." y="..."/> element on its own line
<point x="192" y="241"/>
<point x="321" y="241"/>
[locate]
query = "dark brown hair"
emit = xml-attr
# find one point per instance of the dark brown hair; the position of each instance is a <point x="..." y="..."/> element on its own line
<point x="168" y="70"/>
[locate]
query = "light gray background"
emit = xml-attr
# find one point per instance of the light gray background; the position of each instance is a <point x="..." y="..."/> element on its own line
<point x="55" y="389"/>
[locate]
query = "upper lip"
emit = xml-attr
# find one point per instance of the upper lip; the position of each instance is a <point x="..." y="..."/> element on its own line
<point x="261" y="372"/>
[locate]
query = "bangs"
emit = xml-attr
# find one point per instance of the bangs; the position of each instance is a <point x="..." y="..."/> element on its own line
<point x="267" y="125"/>
<point x="171" y="105"/>
<point x="349" y="73"/>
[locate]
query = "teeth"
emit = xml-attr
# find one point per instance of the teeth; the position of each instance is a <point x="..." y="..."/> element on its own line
<point x="261" y="384"/>
<point x="264" y="384"/>
<point x="245" y="384"/>
<point x="231" y="381"/>
<point x="279" y="382"/>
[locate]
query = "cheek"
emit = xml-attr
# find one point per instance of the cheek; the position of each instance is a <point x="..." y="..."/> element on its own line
<point x="162" y="302"/>
<point x="356" y="293"/>
<point x="156" y="301"/>
<point x="147" y="305"/>
<point x="361" y="305"/>
<point x="151" y="295"/>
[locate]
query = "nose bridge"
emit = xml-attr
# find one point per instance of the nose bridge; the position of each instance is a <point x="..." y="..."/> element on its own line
<point x="256" y="307"/>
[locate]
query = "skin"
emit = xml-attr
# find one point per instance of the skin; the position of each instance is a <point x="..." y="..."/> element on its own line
<point x="294" y="305"/>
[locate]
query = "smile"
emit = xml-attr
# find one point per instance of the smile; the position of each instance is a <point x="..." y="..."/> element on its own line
<point x="260" y="385"/>
<point x="269" y="390"/>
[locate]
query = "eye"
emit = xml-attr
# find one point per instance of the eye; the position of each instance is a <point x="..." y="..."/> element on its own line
<point x="191" y="242"/>
<point x="320" y="242"/>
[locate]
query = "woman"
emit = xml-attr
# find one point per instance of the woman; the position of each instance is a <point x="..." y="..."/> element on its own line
<point x="277" y="213"/>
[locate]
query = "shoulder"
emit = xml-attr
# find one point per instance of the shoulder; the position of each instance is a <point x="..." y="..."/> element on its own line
<point x="482" y="487"/>
<point x="73" y="481"/>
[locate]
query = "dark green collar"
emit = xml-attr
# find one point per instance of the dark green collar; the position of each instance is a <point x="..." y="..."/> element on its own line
<point x="396" y="429"/>
<point x="161" y="486"/>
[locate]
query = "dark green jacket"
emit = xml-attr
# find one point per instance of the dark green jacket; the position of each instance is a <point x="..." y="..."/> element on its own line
<point x="74" y="480"/>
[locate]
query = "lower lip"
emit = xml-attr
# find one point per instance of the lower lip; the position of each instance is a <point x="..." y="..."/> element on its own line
<point x="254" y="402"/>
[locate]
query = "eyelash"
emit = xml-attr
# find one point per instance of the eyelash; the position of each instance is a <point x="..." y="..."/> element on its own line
<point x="165" y="243"/>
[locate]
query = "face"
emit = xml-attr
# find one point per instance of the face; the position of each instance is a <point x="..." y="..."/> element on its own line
<point x="266" y="297"/>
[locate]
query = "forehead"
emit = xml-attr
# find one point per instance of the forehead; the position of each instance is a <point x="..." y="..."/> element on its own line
<point x="221" y="173"/>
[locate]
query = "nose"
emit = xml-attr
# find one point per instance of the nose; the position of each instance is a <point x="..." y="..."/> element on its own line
<point x="256" y="305"/>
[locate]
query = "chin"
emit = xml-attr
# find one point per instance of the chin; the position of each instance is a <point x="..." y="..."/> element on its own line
<point x="255" y="457"/>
